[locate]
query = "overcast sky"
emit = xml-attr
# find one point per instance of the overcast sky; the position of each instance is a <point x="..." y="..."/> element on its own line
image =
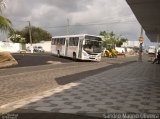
<point x="84" y="16"/>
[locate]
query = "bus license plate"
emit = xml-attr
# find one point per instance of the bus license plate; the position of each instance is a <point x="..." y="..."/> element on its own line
<point x="92" y="56"/>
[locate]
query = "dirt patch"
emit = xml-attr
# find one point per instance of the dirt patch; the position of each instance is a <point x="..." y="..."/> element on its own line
<point x="7" y="60"/>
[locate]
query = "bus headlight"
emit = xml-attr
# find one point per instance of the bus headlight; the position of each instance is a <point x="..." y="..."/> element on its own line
<point x="99" y="55"/>
<point x="85" y="54"/>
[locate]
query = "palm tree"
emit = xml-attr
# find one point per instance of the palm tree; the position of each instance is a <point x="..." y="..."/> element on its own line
<point x="5" y="24"/>
<point x="2" y="4"/>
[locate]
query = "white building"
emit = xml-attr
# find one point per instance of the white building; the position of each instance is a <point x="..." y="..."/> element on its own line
<point x="131" y="44"/>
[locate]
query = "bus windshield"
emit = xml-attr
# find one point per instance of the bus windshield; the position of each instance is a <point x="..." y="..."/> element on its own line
<point x="92" y="45"/>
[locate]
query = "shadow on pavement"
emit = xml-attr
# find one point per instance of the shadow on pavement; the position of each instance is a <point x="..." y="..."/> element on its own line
<point x="74" y="77"/>
<point x="33" y="114"/>
<point x="30" y="113"/>
<point x="25" y="60"/>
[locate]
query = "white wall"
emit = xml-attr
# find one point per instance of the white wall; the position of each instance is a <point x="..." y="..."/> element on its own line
<point x="10" y="47"/>
<point x="120" y="49"/>
<point x="131" y="44"/>
<point x="46" y="45"/>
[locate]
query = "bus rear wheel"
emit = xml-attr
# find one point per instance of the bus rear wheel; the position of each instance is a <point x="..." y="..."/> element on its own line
<point x="58" y="53"/>
<point x="74" y="57"/>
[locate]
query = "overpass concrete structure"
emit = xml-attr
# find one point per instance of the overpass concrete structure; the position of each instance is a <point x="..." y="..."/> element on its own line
<point x="147" y="13"/>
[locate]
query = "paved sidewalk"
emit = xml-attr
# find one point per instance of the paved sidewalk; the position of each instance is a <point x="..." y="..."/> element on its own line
<point x="132" y="88"/>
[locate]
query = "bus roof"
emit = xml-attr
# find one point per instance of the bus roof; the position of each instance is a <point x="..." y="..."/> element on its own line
<point x="78" y="35"/>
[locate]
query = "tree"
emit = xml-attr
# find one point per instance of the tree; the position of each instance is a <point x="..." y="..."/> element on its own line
<point x="111" y="39"/>
<point x="2" y="5"/>
<point x="120" y="42"/>
<point x="5" y="24"/>
<point x="38" y="35"/>
<point x="17" y="39"/>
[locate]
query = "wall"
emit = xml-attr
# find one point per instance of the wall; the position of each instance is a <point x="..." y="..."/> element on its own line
<point x="46" y="45"/>
<point x="120" y="49"/>
<point x="131" y="44"/>
<point x="10" y="47"/>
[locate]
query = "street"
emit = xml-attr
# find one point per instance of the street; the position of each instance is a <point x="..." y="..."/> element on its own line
<point x="31" y="80"/>
<point x="28" y="59"/>
<point x="114" y="85"/>
<point x="69" y="60"/>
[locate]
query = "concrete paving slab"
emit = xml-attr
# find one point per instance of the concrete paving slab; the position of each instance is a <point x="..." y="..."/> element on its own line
<point x="127" y="89"/>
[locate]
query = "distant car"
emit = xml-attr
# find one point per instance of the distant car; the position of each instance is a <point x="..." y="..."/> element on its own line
<point x="158" y="49"/>
<point x="22" y="51"/>
<point x="38" y="49"/>
<point x="151" y="50"/>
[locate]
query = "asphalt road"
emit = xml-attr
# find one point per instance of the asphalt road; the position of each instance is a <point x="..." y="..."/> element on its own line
<point x="37" y="59"/>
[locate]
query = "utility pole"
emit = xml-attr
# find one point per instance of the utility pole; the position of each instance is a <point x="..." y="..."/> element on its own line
<point x="30" y="36"/>
<point x="141" y="40"/>
<point x="67" y="26"/>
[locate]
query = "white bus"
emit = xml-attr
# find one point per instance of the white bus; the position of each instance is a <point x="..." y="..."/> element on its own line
<point x="83" y="47"/>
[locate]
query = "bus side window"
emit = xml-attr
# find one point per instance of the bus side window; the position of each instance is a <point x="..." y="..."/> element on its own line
<point x="73" y="41"/>
<point x="62" y="41"/>
<point x="58" y="41"/>
<point x="53" y="41"/>
<point x="76" y="40"/>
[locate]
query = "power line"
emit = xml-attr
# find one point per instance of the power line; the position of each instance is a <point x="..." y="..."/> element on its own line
<point x="19" y="20"/>
<point x="129" y="20"/>
<point x="113" y="19"/>
<point x="103" y="23"/>
<point x="90" y="24"/>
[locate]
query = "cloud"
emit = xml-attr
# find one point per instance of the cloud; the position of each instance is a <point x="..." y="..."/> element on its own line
<point x="85" y="16"/>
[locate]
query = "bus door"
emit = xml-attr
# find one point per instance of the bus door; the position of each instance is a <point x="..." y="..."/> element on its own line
<point x="66" y="48"/>
<point x="80" y="48"/>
